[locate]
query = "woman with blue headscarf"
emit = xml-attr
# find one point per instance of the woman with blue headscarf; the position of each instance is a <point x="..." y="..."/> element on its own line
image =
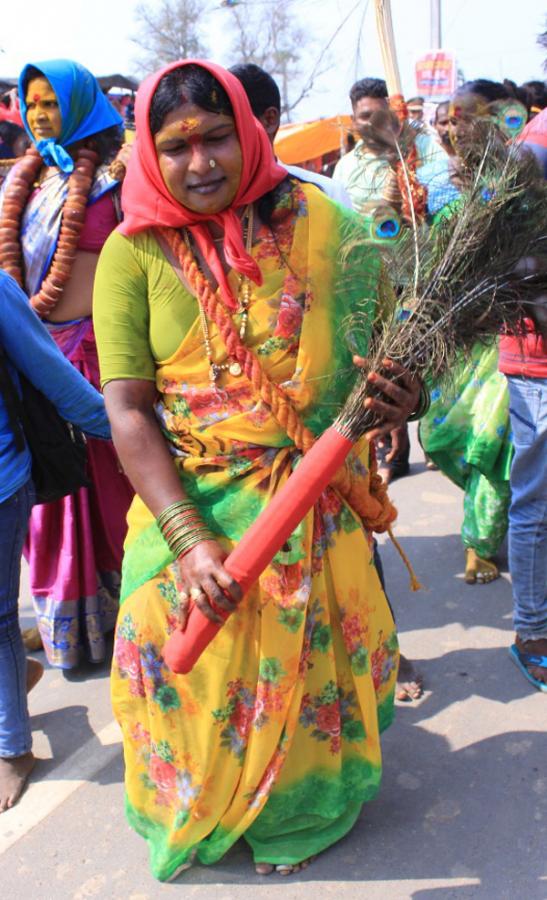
<point x="57" y="207"/>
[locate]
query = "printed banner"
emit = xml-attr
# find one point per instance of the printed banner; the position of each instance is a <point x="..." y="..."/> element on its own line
<point x="436" y="75"/>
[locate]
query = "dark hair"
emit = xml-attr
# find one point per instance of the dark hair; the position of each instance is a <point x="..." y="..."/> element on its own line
<point x="368" y="87"/>
<point x="534" y="93"/>
<point x="106" y="143"/>
<point x="9" y="132"/>
<point x="260" y="87"/>
<point x="483" y="87"/>
<point x="187" y="84"/>
<point x="263" y="93"/>
<point x="32" y="72"/>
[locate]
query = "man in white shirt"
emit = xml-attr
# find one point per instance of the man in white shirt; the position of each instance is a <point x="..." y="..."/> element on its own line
<point x="364" y="173"/>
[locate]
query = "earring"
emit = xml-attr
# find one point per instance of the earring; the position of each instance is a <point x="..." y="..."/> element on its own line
<point x="212" y="163"/>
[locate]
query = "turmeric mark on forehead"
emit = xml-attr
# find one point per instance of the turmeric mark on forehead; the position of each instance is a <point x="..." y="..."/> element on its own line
<point x="189" y="124"/>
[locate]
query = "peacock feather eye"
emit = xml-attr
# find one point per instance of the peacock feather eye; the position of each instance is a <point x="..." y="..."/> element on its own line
<point x="514" y="122"/>
<point x="387" y="229"/>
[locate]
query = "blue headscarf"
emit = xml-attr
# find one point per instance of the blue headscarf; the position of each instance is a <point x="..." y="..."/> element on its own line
<point x="83" y="106"/>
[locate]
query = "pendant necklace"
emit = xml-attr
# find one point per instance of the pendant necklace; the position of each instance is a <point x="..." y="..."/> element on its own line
<point x="244" y="297"/>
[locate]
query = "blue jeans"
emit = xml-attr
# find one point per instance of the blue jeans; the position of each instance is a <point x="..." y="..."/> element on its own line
<point x="528" y="510"/>
<point x="15" y="734"/>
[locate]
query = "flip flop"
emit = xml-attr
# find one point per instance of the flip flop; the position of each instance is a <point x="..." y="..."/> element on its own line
<point x="522" y="660"/>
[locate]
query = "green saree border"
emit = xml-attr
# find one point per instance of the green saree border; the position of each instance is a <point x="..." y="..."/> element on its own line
<point x="332" y="803"/>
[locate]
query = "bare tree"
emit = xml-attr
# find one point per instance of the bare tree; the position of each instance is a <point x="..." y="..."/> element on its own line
<point x="169" y="31"/>
<point x="269" y="36"/>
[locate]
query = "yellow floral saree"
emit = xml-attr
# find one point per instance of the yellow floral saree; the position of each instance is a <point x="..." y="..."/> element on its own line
<point x="274" y="735"/>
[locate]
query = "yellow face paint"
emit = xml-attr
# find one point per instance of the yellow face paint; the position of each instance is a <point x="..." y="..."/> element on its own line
<point x="43" y="113"/>
<point x="462" y="112"/>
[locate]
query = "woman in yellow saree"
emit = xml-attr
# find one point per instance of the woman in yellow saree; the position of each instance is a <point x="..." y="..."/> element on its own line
<point x="274" y="735"/>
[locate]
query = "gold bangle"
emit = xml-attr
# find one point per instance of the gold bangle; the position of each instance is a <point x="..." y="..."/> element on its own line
<point x="172" y="509"/>
<point x="188" y="535"/>
<point x="181" y="550"/>
<point x="183" y="530"/>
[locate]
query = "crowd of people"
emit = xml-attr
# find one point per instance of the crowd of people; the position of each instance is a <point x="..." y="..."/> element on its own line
<point x="191" y="323"/>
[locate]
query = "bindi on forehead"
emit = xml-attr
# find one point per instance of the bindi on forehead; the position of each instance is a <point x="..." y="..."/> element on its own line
<point x="193" y="139"/>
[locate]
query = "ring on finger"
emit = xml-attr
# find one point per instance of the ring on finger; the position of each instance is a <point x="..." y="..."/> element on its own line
<point x="196" y="593"/>
<point x="184" y="597"/>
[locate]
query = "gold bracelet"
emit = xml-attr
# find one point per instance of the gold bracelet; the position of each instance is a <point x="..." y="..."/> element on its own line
<point x="182" y="547"/>
<point x="172" y="509"/>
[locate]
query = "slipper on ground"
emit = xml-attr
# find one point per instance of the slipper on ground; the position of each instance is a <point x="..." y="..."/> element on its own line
<point x="522" y="660"/>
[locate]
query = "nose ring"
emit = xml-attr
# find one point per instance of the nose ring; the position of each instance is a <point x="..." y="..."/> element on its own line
<point x="212" y="164"/>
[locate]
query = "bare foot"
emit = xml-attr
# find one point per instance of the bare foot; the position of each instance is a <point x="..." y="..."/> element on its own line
<point x="35" y="670"/>
<point x="264" y="868"/>
<point x="13" y="778"/>
<point x="32" y="639"/>
<point x="385" y="474"/>
<point x="479" y="570"/>
<point x="410" y="684"/>
<point x="282" y="868"/>
<point x="537" y="648"/>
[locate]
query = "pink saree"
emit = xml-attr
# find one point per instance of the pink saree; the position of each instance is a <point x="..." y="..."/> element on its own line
<point x="74" y="547"/>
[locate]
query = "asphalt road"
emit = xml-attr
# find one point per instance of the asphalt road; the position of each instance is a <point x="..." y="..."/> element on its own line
<point x="463" y="808"/>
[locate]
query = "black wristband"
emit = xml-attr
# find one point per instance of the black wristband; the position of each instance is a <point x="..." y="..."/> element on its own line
<point x="423" y="405"/>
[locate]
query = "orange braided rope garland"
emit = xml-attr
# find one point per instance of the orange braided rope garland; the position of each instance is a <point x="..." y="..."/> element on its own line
<point x="413" y="194"/>
<point x="370" y="501"/>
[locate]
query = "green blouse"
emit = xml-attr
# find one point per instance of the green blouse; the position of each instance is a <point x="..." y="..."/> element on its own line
<point x="141" y="311"/>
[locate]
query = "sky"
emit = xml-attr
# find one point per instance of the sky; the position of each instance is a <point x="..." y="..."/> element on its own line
<point x="490" y="39"/>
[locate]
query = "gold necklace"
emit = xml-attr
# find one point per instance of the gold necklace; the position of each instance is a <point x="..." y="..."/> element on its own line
<point x="244" y="298"/>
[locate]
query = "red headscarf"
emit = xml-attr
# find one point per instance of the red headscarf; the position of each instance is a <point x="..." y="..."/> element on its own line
<point x="147" y="203"/>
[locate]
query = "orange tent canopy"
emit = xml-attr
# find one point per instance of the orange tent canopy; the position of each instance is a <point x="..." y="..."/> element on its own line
<point x="298" y="143"/>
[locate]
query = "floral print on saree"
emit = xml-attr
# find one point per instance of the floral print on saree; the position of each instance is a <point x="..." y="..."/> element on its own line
<point x="274" y="735"/>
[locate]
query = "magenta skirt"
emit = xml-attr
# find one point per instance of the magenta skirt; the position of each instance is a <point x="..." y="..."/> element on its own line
<point x="74" y="546"/>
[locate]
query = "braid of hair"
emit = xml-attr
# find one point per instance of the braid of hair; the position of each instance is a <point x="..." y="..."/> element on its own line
<point x="370" y="501"/>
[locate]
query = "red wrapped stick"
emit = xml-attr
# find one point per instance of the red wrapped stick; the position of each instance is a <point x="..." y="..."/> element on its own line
<point x="262" y="541"/>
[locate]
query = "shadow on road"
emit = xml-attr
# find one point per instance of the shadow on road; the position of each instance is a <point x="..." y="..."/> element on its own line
<point x="440" y="815"/>
<point x="446" y="598"/>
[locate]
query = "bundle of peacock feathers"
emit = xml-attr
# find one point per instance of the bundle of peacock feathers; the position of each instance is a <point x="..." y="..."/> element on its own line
<point x="478" y="270"/>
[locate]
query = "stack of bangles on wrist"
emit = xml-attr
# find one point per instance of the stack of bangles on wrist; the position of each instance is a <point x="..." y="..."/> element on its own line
<point x="182" y="527"/>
